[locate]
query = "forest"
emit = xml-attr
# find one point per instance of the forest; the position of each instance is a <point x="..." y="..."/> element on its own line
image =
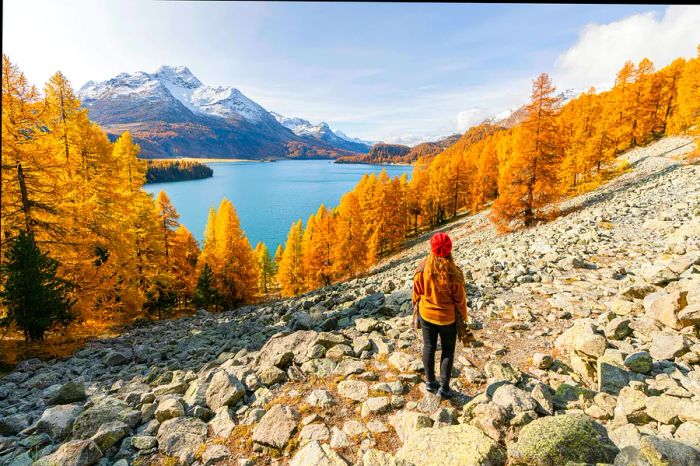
<point x="82" y="242"/>
<point x="158" y="171"/>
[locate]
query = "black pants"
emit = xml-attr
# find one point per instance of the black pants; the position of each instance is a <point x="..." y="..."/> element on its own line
<point x="448" y="337"/>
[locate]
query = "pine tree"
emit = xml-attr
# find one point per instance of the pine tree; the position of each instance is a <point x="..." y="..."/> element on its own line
<point x="290" y="269"/>
<point x="168" y="219"/>
<point x="34" y="296"/>
<point x="528" y="185"/>
<point x="206" y="295"/>
<point x="266" y="267"/>
<point x="235" y="266"/>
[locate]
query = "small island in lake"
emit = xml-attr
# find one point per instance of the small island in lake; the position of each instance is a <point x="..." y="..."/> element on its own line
<point x="176" y="170"/>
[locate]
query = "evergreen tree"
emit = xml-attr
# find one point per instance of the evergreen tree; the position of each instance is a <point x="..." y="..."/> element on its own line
<point x="206" y="295"/>
<point x="266" y="266"/>
<point x="35" y="298"/>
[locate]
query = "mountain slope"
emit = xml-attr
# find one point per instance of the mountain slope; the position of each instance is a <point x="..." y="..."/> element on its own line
<point x="595" y="312"/>
<point x="172" y="113"/>
<point x="321" y="132"/>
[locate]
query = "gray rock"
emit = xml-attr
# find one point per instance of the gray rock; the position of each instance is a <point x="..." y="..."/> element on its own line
<point x="57" y="421"/>
<point x="276" y="427"/>
<point x="104" y="410"/>
<point x="668" y="346"/>
<point x="116" y="358"/>
<point x="168" y="409"/>
<point x="560" y="439"/>
<point x="109" y="434"/>
<point x="70" y="392"/>
<point x="513" y="399"/>
<point x="375" y="405"/>
<point x="640" y="361"/>
<point x="181" y="436"/>
<point x="224" y="390"/>
<point x="659" y="450"/>
<point x="215" y="454"/>
<point x="462" y="445"/>
<point x="73" y="453"/>
<point x="271" y="375"/>
<point x="355" y="390"/>
<point x="405" y="423"/>
<point x="223" y="423"/>
<point x="315" y="454"/>
<point x="144" y="442"/>
<point x="321" y="398"/>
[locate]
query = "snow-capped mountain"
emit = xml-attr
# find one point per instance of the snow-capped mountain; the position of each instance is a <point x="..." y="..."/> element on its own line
<point x="172" y="113"/>
<point x="341" y="134"/>
<point x="321" y="132"/>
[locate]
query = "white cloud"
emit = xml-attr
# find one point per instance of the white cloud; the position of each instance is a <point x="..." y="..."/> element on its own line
<point x="602" y="49"/>
<point x="470" y="117"/>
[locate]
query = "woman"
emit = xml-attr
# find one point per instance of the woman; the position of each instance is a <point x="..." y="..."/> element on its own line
<point x="438" y="292"/>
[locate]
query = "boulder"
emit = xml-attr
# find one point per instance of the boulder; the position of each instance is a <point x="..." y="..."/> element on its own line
<point x="224" y="390"/>
<point x="557" y="440"/>
<point x="168" y="409"/>
<point x="664" y="306"/>
<point x="502" y="371"/>
<point x="276" y="426"/>
<point x="116" y="358"/>
<point x="271" y="375"/>
<point x="73" y="453"/>
<point x="315" y="454"/>
<point x="70" y="392"/>
<point x="321" y="398"/>
<point x="57" y="421"/>
<point x="315" y="431"/>
<point x="688" y="433"/>
<point x="223" y="423"/>
<point x="109" y="434"/>
<point x="373" y="457"/>
<point x="402" y="361"/>
<point x="641" y="361"/>
<point x="355" y="390"/>
<point x="299" y="347"/>
<point x="376" y="405"/>
<point x="661" y="451"/>
<point x="462" y="445"/>
<point x="668" y="346"/>
<point x="102" y="411"/>
<point x="513" y="399"/>
<point x="181" y="436"/>
<point x="215" y="454"/>
<point x="405" y="423"/>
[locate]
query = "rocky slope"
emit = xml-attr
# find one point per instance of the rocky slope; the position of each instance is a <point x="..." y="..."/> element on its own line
<point x="587" y="352"/>
<point x="172" y="113"/>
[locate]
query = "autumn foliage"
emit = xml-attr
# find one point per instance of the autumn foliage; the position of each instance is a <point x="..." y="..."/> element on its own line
<point x="520" y="169"/>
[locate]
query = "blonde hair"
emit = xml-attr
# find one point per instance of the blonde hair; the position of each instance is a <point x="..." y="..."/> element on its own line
<point x="443" y="269"/>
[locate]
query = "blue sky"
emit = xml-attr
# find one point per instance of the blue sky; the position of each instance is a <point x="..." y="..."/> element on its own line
<point x="387" y="71"/>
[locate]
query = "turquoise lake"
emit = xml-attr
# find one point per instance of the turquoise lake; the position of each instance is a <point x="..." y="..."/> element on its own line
<point x="268" y="197"/>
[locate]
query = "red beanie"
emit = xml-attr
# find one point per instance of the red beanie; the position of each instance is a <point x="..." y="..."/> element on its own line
<point x="441" y="244"/>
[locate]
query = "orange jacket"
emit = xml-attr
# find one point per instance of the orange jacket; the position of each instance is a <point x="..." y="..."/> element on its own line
<point x="437" y="303"/>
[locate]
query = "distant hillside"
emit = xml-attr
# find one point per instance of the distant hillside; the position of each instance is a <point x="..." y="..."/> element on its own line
<point x="396" y="153"/>
<point x="171" y="113"/>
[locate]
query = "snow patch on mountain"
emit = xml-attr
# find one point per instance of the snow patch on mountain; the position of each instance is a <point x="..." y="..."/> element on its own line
<point x="177" y="82"/>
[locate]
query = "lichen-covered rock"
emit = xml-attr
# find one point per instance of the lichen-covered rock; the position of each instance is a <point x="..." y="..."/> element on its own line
<point x="73" y="453"/>
<point x="276" y="426"/>
<point x="661" y="451"/>
<point x="169" y="409"/>
<point x="70" y="392"/>
<point x="109" y="434"/>
<point x="224" y="390"/>
<point x="181" y="436"/>
<point x="556" y="440"/>
<point x="102" y="411"/>
<point x="462" y="445"/>
<point x="57" y="421"/>
<point x="407" y="422"/>
<point x="315" y="454"/>
<point x="355" y="390"/>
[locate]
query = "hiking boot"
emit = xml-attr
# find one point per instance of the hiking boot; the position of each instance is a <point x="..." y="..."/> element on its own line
<point x="432" y="387"/>
<point x="445" y="393"/>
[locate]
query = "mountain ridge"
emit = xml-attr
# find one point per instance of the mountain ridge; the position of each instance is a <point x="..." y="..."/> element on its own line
<point x="172" y="113"/>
